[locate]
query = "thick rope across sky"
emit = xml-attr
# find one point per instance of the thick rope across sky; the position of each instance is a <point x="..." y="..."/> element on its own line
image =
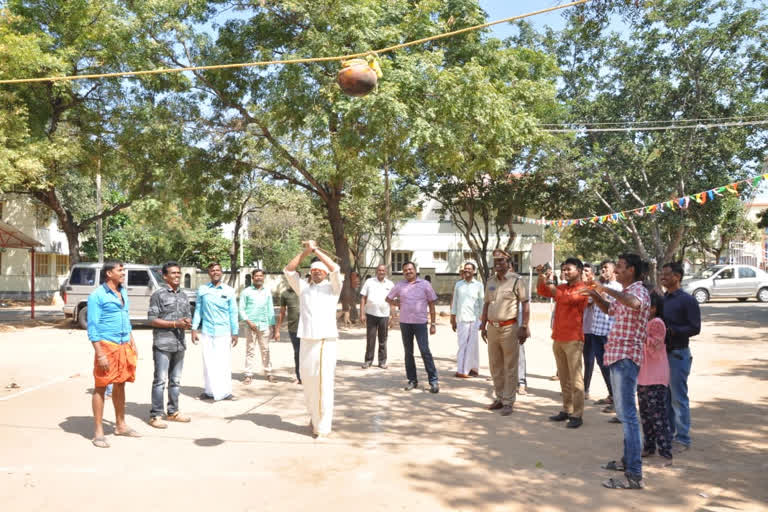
<point x="289" y="61"/>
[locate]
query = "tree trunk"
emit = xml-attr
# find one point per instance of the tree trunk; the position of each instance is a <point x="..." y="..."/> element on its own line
<point x="66" y="221"/>
<point x="387" y="222"/>
<point x="341" y="246"/>
<point x="234" y="250"/>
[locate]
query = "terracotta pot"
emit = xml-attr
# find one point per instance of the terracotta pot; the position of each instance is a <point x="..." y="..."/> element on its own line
<point x="356" y="78"/>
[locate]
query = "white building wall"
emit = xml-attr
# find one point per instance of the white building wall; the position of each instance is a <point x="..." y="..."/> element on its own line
<point x="37" y="221"/>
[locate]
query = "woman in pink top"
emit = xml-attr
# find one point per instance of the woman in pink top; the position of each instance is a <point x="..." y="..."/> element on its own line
<point x="653" y="383"/>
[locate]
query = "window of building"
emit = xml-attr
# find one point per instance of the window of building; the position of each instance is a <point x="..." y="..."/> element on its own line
<point x="398" y="258"/>
<point x="187" y="281"/>
<point x="468" y="256"/>
<point x="440" y="256"/>
<point x="43" y="264"/>
<point x="515" y="259"/>
<point x="62" y="264"/>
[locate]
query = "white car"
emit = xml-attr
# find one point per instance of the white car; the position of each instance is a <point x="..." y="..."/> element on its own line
<point x="728" y="281"/>
<point x="141" y="281"/>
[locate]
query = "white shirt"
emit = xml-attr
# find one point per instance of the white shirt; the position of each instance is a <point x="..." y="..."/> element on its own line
<point x="376" y="292"/>
<point x="317" y="305"/>
<point x="467" y="302"/>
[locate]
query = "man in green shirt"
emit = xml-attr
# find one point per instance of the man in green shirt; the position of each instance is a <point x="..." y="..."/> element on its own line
<point x="289" y="310"/>
<point x="258" y="311"/>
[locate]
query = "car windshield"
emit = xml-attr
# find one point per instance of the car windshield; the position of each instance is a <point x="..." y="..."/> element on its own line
<point x="157" y="274"/>
<point x="707" y="272"/>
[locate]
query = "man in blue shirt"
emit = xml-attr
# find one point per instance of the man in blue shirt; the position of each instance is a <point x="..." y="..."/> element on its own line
<point x="109" y="330"/>
<point x="216" y="319"/>
<point x="683" y="320"/>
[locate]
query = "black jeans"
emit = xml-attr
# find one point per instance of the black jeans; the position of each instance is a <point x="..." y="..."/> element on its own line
<point x="376" y="325"/>
<point x="408" y="332"/>
<point x="597" y="345"/>
<point x="296" y="342"/>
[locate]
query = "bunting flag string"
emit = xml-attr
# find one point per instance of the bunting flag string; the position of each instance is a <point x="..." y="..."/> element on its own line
<point x="678" y="203"/>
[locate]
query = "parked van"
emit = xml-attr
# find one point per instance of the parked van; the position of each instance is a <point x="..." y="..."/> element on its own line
<point x="140" y="280"/>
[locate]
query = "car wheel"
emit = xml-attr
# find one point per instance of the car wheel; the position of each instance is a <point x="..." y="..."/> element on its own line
<point x="701" y="295"/>
<point x="762" y="295"/>
<point x="82" y="318"/>
<point x="742" y="299"/>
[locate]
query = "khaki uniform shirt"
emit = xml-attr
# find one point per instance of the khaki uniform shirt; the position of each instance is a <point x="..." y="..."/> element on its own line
<point x="504" y="297"/>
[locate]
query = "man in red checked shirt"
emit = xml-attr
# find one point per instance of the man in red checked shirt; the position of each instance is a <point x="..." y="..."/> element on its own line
<point x="623" y="356"/>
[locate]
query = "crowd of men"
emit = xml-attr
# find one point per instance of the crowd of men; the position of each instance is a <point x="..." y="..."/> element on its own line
<point x="639" y="339"/>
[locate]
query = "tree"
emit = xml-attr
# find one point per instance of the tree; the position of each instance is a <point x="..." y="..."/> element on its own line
<point x="297" y="126"/>
<point x="67" y="132"/>
<point x="678" y="60"/>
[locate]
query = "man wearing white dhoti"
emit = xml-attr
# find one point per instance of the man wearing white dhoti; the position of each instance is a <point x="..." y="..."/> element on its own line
<point x="216" y="319"/>
<point x="466" y="309"/>
<point x="317" y="331"/>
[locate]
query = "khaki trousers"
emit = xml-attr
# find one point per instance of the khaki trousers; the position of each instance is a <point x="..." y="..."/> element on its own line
<point x="503" y="355"/>
<point x="568" y="356"/>
<point x="251" y="339"/>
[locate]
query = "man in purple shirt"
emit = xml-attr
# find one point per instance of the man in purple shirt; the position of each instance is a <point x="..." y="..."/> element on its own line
<point x="415" y="297"/>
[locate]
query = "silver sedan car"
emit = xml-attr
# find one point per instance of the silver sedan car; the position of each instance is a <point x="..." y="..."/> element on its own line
<point x="728" y="281"/>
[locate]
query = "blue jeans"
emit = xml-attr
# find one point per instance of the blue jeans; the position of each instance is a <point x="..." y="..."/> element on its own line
<point x="624" y="382"/>
<point x="598" y="346"/>
<point x="679" y="410"/>
<point x="296" y="342"/>
<point x="408" y="331"/>
<point x="168" y="366"/>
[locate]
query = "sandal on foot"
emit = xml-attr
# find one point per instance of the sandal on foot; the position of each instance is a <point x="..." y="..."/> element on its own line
<point x="128" y="433"/>
<point x="100" y="442"/>
<point x="613" y="465"/>
<point x="626" y="483"/>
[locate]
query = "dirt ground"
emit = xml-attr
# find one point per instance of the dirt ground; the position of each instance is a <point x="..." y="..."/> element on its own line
<point x="391" y="450"/>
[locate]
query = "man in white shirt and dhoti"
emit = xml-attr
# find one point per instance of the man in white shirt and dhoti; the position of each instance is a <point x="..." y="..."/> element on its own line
<point x="466" y="309"/>
<point x="317" y="330"/>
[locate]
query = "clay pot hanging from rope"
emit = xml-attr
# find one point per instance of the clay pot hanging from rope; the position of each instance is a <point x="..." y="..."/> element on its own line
<point x="358" y="77"/>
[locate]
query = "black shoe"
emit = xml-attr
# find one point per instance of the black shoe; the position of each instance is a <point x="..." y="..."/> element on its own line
<point x="410" y="386"/>
<point x="574" y="422"/>
<point x="615" y="419"/>
<point x="383" y="366"/>
<point x="204" y="396"/>
<point x="434" y="388"/>
<point x="497" y="404"/>
<point x="366" y="365"/>
<point x="561" y="416"/>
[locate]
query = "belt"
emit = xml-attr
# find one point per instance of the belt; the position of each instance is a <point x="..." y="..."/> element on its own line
<point x="503" y="323"/>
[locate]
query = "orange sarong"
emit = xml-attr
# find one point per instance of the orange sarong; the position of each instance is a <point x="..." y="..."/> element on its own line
<point x="122" y="364"/>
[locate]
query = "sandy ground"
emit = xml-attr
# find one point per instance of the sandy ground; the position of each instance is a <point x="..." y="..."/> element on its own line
<point x="391" y="450"/>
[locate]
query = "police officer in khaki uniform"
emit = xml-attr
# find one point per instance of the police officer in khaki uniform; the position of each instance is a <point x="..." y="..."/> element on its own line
<point x="504" y="292"/>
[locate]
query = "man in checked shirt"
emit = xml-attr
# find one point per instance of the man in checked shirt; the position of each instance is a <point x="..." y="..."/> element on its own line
<point x="624" y="355"/>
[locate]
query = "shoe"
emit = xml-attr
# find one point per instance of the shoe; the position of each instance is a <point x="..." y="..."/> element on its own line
<point x="678" y="447"/>
<point x="271" y="378"/>
<point x="521" y="390"/>
<point x="411" y="385"/>
<point x="473" y="373"/>
<point x="615" y="419"/>
<point x="605" y="401"/>
<point x="157" y="422"/>
<point x="461" y="375"/>
<point x="177" y="416"/>
<point x="625" y="483"/>
<point x="204" y="396"/>
<point x="574" y="422"/>
<point x="507" y="410"/>
<point x="495" y="405"/>
<point x="383" y="366"/>
<point x="434" y="388"/>
<point x="647" y="452"/>
<point x="366" y="365"/>
<point x="609" y="408"/>
<point x="561" y="416"/>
